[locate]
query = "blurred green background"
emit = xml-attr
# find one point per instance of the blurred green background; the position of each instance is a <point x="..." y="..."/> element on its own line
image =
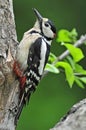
<point x="53" y="97"/>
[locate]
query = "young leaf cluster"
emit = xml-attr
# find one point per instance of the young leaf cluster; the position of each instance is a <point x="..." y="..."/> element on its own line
<point x="73" y="71"/>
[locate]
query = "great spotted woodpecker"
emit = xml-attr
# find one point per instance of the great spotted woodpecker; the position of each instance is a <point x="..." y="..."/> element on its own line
<point x="32" y="55"/>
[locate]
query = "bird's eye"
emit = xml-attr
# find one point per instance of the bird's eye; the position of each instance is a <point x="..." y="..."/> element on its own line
<point x="46" y="24"/>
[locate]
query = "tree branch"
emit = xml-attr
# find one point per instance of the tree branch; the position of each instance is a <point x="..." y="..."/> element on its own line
<point x="75" y="119"/>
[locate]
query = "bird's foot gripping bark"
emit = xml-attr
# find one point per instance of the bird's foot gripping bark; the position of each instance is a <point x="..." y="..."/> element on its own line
<point x="19" y="74"/>
<point x="22" y="82"/>
<point x="16" y="69"/>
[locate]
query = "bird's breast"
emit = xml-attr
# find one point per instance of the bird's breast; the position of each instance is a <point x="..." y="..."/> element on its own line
<point x="23" y="49"/>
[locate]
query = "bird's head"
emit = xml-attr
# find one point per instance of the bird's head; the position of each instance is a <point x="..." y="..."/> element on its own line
<point x="46" y="26"/>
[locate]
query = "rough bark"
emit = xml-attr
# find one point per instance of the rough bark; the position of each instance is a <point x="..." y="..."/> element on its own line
<point x="8" y="84"/>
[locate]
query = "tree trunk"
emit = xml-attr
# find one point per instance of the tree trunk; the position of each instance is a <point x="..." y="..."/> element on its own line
<point x="8" y="85"/>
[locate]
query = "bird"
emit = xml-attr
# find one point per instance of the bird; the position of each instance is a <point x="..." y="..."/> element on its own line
<point x="31" y="57"/>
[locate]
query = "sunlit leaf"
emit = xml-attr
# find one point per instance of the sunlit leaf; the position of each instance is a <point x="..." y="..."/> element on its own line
<point x="78" y="82"/>
<point x="51" y="68"/>
<point x="52" y="58"/>
<point x="63" y="36"/>
<point x="74" y="34"/>
<point x="67" y="36"/>
<point x="76" y="53"/>
<point x="71" y="61"/>
<point x="68" y="72"/>
<point x="79" y="69"/>
<point x="83" y="79"/>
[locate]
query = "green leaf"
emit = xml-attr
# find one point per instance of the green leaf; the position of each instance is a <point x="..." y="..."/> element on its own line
<point x="67" y="36"/>
<point x="83" y="79"/>
<point x="76" y="53"/>
<point x="68" y="72"/>
<point x="52" y="58"/>
<point x="71" y="61"/>
<point x="74" y="34"/>
<point x="79" y="69"/>
<point x="51" y="68"/>
<point x="78" y="82"/>
<point x="63" y="36"/>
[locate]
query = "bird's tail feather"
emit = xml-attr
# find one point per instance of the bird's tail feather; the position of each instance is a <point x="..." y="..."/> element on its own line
<point x="24" y="99"/>
<point x="20" y="107"/>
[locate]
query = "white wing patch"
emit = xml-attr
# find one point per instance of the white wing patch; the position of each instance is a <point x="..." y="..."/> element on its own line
<point x="43" y="56"/>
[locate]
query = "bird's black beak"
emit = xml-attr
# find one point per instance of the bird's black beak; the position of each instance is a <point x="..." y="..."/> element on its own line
<point x="38" y="15"/>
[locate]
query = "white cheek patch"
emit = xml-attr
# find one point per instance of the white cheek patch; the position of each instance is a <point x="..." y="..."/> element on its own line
<point x="48" y="32"/>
